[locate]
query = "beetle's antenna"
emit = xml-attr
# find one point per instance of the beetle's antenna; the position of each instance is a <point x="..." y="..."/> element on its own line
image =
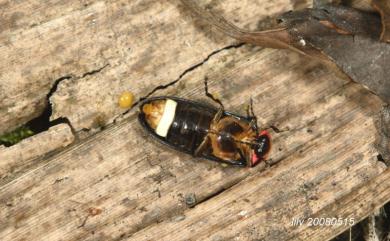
<point x="206" y="89"/>
<point x="253" y="116"/>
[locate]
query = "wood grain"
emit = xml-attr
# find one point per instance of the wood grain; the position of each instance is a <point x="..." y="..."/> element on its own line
<point x="19" y="156"/>
<point x="264" y="205"/>
<point x="138" y="183"/>
<point x="119" y="184"/>
<point x="106" y="47"/>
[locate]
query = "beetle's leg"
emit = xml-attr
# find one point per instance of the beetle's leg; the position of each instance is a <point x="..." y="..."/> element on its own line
<point x="206" y="89"/>
<point x="382" y="142"/>
<point x="219" y="114"/>
<point x="243" y="160"/>
<point x="252" y="117"/>
<point x="252" y="113"/>
<point x="205" y="142"/>
<point x="216" y="118"/>
<point x="202" y="145"/>
<point x="248" y="111"/>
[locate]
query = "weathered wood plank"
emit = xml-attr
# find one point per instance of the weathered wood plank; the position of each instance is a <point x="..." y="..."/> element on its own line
<point x="120" y="184"/>
<point x="34" y="56"/>
<point x="263" y="206"/>
<point x="74" y="38"/>
<point x="138" y="183"/>
<point x="368" y="197"/>
<point x="19" y="156"/>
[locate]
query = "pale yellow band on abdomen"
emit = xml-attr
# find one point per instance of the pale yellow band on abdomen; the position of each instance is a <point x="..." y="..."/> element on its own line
<point x="167" y="118"/>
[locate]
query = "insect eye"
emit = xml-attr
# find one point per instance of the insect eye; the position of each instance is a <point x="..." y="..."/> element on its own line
<point x="261" y="148"/>
<point x="263" y="144"/>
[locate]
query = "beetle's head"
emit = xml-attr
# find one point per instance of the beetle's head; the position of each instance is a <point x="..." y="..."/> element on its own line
<point x="260" y="148"/>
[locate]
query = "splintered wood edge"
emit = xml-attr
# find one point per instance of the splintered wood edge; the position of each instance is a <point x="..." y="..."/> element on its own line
<point x="20" y="155"/>
<point x="139" y="55"/>
<point x="92" y="115"/>
<point x="58" y="182"/>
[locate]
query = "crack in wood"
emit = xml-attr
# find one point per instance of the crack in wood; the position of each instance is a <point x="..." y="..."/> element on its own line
<point x="185" y="72"/>
<point x="192" y="68"/>
<point x="44" y="118"/>
<point x="42" y="122"/>
<point x="95" y="71"/>
<point x="223" y="189"/>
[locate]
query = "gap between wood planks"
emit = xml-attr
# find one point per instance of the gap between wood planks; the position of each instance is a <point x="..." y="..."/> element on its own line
<point x="186" y="71"/>
<point x="43" y="123"/>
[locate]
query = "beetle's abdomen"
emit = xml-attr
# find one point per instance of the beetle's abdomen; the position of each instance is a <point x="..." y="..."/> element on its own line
<point x="179" y="123"/>
<point x="189" y="127"/>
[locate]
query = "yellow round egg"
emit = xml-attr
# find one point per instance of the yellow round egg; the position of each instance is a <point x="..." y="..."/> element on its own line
<point x="126" y="99"/>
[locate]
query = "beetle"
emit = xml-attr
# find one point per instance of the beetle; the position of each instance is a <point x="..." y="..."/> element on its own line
<point x="205" y="131"/>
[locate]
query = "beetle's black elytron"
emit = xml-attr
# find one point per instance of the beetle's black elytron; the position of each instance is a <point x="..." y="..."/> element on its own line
<point x="205" y="131"/>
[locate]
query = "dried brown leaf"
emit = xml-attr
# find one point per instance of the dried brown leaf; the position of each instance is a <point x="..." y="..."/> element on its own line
<point x="340" y="36"/>
<point x="383" y="7"/>
<point x="348" y="38"/>
<point x="275" y="38"/>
